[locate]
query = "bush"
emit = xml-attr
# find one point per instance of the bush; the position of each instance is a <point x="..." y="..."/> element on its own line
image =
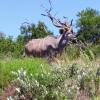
<point x="62" y="82"/>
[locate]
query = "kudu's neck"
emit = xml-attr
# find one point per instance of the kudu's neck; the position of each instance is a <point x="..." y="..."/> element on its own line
<point x="62" y="41"/>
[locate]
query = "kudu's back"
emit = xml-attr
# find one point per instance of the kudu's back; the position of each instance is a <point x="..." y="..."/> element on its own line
<point x="38" y="47"/>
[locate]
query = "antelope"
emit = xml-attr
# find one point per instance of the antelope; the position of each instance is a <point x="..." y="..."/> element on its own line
<point x="50" y="45"/>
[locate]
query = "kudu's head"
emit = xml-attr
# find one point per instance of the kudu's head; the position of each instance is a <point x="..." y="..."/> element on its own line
<point x="67" y="30"/>
<point x="65" y="27"/>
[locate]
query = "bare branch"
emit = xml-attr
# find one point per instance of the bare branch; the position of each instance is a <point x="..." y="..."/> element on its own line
<point x="71" y="22"/>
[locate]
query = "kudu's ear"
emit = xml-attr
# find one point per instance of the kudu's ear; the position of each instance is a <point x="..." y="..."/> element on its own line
<point x="61" y="31"/>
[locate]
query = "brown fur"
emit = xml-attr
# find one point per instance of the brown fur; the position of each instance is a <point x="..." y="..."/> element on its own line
<point x="48" y="46"/>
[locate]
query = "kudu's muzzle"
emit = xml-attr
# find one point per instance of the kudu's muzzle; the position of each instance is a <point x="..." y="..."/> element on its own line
<point x="72" y="37"/>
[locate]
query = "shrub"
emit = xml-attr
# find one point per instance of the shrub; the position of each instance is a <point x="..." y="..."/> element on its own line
<point x="62" y="82"/>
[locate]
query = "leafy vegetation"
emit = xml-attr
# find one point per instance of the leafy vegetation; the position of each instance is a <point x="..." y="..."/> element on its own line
<point x="35" y="79"/>
<point x="14" y="48"/>
<point x="89" y="25"/>
<point x="9" y="64"/>
<point x="34" y="31"/>
<point x="75" y="75"/>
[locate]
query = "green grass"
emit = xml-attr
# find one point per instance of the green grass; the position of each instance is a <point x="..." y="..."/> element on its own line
<point x="31" y="65"/>
<point x="37" y="66"/>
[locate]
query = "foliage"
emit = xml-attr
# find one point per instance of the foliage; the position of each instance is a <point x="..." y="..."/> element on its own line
<point x="14" y="48"/>
<point x="7" y="45"/>
<point x="19" y="45"/>
<point x="73" y="52"/>
<point x="60" y="81"/>
<point x="89" y="25"/>
<point x="76" y="75"/>
<point x="11" y="64"/>
<point x="96" y="50"/>
<point x="34" y="31"/>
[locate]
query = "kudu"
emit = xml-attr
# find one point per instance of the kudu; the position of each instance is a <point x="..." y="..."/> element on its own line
<point x="50" y="45"/>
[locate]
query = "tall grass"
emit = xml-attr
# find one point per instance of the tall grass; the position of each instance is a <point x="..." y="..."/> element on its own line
<point x="70" y="79"/>
<point x="75" y="72"/>
<point x="31" y="65"/>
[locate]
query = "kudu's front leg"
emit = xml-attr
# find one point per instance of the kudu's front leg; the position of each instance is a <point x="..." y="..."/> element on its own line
<point x="51" y="53"/>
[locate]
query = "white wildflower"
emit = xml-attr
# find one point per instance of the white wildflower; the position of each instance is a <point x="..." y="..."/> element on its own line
<point x="84" y="74"/>
<point x="73" y="87"/>
<point x="37" y="83"/>
<point x="35" y="99"/>
<point x="56" y="92"/>
<point x="90" y="69"/>
<point x="78" y="71"/>
<point x="23" y="96"/>
<point x="78" y="88"/>
<point x="18" y="90"/>
<point x="42" y="75"/>
<point x="10" y="98"/>
<point x="14" y="73"/>
<point x="24" y="73"/>
<point x="18" y="78"/>
<point x="18" y="71"/>
<point x="48" y="73"/>
<point x="29" y="84"/>
<point x="31" y="74"/>
<point x="58" y="87"/>
<point x="46" y="92"/>
<point x="79" y="77"/>
<point x="41" y="65"/>
<point x="69" y="90"/>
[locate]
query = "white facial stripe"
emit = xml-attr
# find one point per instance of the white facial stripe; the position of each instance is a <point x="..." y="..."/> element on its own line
<point x="64" y="42"/>
<point x="70" y="35"/>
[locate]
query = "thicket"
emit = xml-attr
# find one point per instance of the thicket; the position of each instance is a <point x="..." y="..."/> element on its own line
<point x="88" y="24"/>
<point x="67" y="80"/>
<point x="70" y="79"/>
<point x="14" y="48"/>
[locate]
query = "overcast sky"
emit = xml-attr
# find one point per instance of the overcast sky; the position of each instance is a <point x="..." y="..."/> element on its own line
<point x="14" y="12"/>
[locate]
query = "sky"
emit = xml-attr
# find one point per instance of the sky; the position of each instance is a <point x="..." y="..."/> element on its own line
<point x="14" y="12"/>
